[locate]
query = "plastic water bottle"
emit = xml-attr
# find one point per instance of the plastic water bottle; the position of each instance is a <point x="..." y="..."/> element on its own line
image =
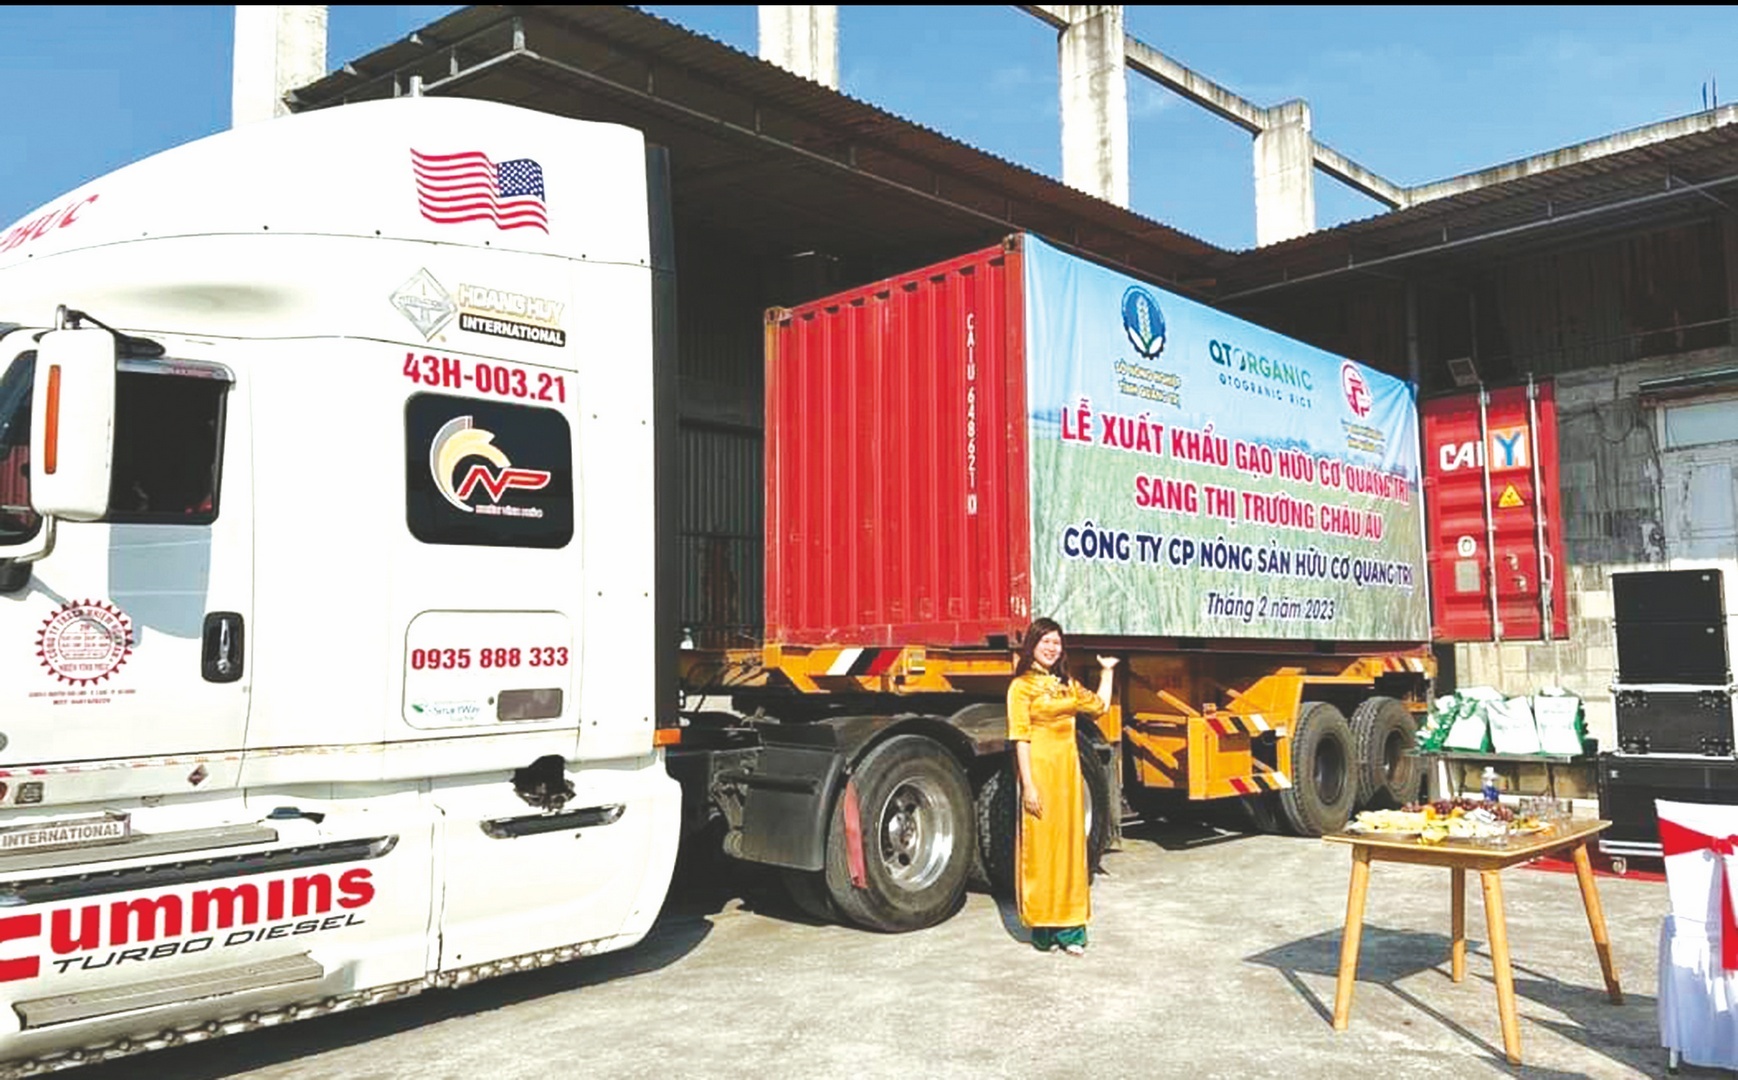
<point x="1490" y="783"/>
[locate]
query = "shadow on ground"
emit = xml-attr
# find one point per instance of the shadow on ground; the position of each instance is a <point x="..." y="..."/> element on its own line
<point x="1387" y="958"/>
<point x="704" y="885"/>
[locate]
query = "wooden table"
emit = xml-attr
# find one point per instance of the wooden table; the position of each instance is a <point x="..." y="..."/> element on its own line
<point x="1490" y="861"/>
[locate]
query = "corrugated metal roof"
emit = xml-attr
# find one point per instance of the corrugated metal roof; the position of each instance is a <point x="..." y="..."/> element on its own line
<point x="1645" y="187"/>
<point x="753" y="145"/>
<point x="767" y="155"/>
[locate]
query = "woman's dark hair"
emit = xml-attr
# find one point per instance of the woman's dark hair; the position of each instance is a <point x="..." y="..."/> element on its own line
<point x="1034" y="634"/>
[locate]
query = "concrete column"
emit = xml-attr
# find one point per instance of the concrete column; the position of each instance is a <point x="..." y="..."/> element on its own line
<point x="277" y="48"/>
<point x="803" y="39"/>
<point x="1094" y="82"/>
<point x="1285" y="175"/>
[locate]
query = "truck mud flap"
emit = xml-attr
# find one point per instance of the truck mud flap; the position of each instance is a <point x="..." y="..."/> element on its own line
<point x="787" y="806"/>
<point x="90" y="1004"/>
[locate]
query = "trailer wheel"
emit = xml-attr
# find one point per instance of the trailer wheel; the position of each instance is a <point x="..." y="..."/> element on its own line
<point x="1264" y="813"/>
<point x="915" y="812"/>
<point x="808" y="891"/>
<point x="998" y="815"/>
<point x="1384" y="737"/>
<point x="1323" y="786"/>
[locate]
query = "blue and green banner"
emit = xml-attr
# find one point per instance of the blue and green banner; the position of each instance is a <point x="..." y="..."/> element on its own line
<point x="1196" y="475"/>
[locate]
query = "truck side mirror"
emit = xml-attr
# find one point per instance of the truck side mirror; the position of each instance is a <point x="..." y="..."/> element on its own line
<point x="72" y="424"/>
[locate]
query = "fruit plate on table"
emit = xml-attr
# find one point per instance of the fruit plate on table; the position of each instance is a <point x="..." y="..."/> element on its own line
<point x="1466" y="820"/>
<point x="1393" y="824"/>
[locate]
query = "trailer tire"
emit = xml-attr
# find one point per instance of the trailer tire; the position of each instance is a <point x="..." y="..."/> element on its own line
<point x="1384" y="736"/>
<point x="915" y="809"/>
<point x="998" y="815"/>
<point x="1323" y="786"/>
<point x="808" y="891"/>
<point x="1264" y="813"/>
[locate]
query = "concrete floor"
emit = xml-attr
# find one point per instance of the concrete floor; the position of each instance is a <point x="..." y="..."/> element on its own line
<point x="1213" y="955"/>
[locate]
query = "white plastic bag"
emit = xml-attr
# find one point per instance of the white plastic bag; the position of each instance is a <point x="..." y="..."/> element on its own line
<point x="1557" y="717"/>
<point x="1512" y="727"/>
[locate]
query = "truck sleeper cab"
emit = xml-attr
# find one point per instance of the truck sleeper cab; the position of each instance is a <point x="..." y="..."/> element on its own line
<point x="325" y="602"/>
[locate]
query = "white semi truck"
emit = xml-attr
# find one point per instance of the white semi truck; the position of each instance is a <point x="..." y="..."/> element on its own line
<point x="326" y="588"/>
<point x="338" y="649"/>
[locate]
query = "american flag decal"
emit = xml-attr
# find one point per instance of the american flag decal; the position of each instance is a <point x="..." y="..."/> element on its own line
<point x="467" y="186"/>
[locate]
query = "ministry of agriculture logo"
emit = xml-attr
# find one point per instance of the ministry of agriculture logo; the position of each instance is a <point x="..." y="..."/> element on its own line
<point x="1143" y="322"/>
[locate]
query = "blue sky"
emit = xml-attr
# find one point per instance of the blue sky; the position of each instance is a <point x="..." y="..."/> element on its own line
<point x="1415" y="94"/>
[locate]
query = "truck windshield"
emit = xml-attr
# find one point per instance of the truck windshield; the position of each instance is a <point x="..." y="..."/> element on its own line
<point x="18" y="522"/>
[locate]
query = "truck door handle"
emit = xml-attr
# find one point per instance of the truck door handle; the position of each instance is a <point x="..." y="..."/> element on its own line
<point x="221" y="656"/>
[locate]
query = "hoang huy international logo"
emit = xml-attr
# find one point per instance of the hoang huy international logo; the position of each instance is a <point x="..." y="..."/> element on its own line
<point x="495" y="475"/>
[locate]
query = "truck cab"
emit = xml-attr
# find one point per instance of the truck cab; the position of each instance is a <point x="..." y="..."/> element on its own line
<point x="327" y="600"/>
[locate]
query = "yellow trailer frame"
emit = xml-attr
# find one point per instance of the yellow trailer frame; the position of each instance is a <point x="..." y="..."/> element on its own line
<point x="1208" y="724"/>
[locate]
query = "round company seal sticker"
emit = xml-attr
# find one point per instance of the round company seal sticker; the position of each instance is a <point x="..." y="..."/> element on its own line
<point x="85" y="642"/>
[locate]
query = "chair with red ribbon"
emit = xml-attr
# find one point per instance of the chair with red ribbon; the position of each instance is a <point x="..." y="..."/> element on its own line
<point x="1698" y="996"/>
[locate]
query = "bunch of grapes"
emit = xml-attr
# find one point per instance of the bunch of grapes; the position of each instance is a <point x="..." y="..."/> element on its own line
<point x="1445" y="807"/>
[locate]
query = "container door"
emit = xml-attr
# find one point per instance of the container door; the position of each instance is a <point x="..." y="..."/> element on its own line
<point x="1495" y="518"/>
<point x="129" y="640"/>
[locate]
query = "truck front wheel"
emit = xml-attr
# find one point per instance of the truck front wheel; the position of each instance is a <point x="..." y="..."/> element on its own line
<point x="914" y="813"/>
<point x="1323" y="786"/>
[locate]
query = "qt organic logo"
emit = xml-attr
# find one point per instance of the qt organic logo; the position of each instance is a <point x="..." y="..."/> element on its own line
<point x="1143" y="322"/>
<point x="1356" y="389"/>
<point x="459" y="439"/>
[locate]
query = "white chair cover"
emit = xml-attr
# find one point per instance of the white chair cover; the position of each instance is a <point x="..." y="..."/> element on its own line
<point x="1698" y="998"/>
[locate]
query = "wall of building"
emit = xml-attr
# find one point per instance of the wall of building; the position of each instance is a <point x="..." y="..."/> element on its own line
<point x="1614" y="489"/>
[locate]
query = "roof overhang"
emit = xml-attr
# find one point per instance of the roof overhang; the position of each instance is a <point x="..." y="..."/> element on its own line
<point x="776" y="162"/>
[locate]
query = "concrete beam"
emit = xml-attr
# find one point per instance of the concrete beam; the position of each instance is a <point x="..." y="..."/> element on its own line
<point x="1285" y="175"/>
<point x="1358" y="178"/>
<point x="1198" y="88"/>
<point x="1223" y="103"/>
<point x="1569" y="155"/>
<point x="277" y="49"/>
<point x="1093" y="79"/>
<point x="802" y="39"/>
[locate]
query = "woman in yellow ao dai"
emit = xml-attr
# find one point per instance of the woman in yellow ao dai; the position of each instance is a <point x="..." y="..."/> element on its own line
<point x="1054" y="883"/>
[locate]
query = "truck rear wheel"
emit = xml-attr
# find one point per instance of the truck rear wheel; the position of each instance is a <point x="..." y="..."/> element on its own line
<point x="1384" y="737"/>
<point x="808" y="891"/>
<point x="1322" y="785"/>
<point x="915" y="812"/>
<point x="998" y="807"/>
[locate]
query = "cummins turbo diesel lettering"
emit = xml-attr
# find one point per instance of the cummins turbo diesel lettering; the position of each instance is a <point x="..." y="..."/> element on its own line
<point x="93" y="927"/>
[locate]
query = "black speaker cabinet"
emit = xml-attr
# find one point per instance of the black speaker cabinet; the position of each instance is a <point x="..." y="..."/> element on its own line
<point x="1629" y="785"/>
<point x="1681" y="720"/>
<point x="1672" y="652"/>
<point x="1668" y="596"/>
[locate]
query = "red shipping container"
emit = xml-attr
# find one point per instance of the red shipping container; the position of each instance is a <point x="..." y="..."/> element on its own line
<point x="1496" y="534"/>
<point x="911" y="426"/>
<point x="896" y="460"/>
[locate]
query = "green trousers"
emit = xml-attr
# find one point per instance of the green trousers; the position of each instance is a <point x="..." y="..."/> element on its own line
<point x="1045" y="938"/>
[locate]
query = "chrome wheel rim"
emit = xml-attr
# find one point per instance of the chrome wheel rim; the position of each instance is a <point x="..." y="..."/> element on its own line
<point x="916" y="833"/>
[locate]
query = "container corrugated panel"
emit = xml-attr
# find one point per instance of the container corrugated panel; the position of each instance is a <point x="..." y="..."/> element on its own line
<point x="896" y="462"/>
<point x="1465" y="518"/>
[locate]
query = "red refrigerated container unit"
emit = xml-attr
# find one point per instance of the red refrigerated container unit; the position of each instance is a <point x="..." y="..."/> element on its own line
<point x="1494" y="516"/>
<point x="896" y="460"/>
